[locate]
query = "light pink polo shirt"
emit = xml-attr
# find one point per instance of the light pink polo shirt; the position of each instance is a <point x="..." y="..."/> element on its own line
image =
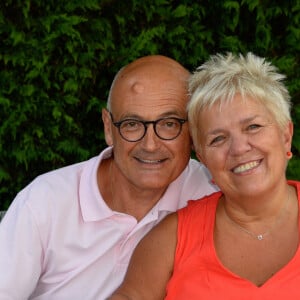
<point x="60" y="241"/>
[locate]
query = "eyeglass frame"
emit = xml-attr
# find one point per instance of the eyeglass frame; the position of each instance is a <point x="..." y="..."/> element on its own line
<point x="145" y="124"/>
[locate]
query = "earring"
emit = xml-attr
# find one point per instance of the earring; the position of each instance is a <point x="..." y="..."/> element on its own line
<point x="289" y="154"/>
<point x="212" y="181"/>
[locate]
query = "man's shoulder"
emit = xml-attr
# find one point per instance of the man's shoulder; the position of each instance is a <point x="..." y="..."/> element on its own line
<point x="54" y="187"/>
<point x="195" y="165"/>
<point x="194" y="183"/>
<point x="197" y="171"/>
<point x="54" y="180"/>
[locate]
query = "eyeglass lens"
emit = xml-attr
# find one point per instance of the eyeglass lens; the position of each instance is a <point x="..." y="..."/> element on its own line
<point x="134" y="130"/>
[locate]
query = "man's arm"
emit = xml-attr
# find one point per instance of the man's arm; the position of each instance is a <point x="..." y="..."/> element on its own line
<point x="20" y="253"/>
<point x="151" y="265"/>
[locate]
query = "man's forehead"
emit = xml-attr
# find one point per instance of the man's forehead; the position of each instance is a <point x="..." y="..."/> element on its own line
<point x="154" y="80"/>
<point x="139" y="80"/>
<point x="156" y="61"/>
<point x="153" y="65"/>
<point x="138" y="88"/>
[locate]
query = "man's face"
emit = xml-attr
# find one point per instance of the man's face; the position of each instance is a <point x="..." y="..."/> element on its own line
<point x="147" y="95"/>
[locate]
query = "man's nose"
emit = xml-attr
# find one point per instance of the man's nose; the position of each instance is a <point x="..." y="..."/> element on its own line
<point x="150" y="140"/>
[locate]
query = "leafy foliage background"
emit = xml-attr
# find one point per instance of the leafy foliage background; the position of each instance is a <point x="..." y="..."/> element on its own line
<point x="58" y="58"/>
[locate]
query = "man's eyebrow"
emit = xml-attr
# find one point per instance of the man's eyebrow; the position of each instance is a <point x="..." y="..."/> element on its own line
<point x="163" y="115"/>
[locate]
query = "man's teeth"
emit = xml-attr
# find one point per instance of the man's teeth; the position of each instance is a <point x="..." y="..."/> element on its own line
<point x="150" y="161"/>
<point x="246" y="167"/>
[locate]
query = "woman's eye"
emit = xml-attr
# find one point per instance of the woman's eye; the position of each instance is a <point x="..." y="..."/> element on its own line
<point x="216" y="140"/>
<point x="253" y="126"/>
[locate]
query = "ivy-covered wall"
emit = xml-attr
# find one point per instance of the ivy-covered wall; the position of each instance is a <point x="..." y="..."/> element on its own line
<point x="58" y="57"/>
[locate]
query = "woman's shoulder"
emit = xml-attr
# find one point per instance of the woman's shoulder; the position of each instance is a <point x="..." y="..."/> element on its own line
<point x="208" y="200"/>
<point x="198" y="210"/>
<point x="294" y="183"/>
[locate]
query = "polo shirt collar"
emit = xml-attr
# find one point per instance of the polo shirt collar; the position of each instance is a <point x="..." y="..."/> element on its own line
<point x="94" y="208"/>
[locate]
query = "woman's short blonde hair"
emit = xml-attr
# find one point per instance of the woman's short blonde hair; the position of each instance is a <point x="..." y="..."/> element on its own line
<point x="223" y="76"/>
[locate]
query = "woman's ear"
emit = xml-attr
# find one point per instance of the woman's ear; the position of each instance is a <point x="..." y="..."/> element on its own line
<point x="288" y="135"/>
<point x="107" y="127"/>
<point x="198" y="155"/>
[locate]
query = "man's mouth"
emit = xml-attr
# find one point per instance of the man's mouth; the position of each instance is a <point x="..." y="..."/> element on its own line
<point x="150" y="161"/>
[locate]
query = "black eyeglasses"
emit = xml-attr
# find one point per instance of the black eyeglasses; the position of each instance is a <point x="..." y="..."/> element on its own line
<point x="133" y="130"/>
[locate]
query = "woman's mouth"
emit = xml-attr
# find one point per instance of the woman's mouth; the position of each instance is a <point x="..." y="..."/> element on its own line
<point x="246" y="167"/>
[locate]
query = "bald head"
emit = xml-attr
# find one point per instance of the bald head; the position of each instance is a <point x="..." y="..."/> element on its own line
<point x="152" y="89"/>
<point x="145" y="75"/>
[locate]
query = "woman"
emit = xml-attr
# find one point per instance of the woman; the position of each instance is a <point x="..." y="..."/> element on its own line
<point x="242" y="242"/>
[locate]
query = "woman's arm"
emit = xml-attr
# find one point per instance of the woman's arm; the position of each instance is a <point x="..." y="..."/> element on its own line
<point x="151" y="264"/>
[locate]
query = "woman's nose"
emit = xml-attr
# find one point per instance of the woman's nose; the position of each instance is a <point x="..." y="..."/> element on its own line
<point x="239" y="144"/>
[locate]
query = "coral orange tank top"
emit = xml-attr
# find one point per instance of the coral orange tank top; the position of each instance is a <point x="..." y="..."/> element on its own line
<point x="198" y="273"/>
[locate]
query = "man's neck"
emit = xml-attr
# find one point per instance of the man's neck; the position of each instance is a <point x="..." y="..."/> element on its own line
<point x="123" y="197"/>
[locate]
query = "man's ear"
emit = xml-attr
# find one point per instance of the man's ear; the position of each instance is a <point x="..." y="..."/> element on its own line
<point x="107" y="126"/>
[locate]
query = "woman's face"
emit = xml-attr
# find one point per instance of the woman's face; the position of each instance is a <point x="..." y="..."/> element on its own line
<point x="243" y="146"/>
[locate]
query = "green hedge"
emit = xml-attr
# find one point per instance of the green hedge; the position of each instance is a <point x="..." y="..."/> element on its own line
<point x="58" y="58"/>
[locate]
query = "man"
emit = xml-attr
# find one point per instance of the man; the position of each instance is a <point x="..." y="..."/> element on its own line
<point x="71" y="232"/>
